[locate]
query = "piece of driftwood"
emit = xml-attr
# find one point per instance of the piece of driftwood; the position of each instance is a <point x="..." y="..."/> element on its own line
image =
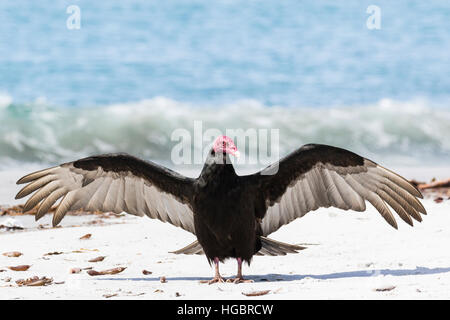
<point x="256" y="293"/>
<point x="109" y="271"/>
<point x="435" y="184"/>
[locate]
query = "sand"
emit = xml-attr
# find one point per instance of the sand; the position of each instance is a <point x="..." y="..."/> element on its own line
<point x="350" y="255"/>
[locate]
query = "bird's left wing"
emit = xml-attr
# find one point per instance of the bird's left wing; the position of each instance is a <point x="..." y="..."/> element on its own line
<point x="111" y="182"/>
<point x="322" y="176"/>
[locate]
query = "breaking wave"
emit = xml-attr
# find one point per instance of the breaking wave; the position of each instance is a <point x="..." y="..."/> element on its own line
<point x="405" y="133"/>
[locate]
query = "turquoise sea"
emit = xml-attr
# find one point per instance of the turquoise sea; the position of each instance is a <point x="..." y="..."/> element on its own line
<point x="137" y="70"/>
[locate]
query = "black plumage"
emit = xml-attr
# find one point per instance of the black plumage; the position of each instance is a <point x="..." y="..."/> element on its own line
<point x="231" y="215"/>
<point x="224" y="217"/>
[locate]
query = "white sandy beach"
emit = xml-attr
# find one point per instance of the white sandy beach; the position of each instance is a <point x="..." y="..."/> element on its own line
<point x="165" y="81"/>
<point x="351" y="256"/>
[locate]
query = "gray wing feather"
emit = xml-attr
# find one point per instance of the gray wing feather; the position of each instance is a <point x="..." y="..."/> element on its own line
<point x="93" y="190"/>
<point x="325" y="185"/>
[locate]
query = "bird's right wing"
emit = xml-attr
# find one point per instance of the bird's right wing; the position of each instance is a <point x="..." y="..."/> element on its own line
<point x="112" y="182"/>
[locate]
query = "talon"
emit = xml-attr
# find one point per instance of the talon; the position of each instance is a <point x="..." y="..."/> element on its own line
<point x="214" y="280"/>
<point x="217" y="277"/>
<point x="239" y="280"/>
<point x="246" y="281"/>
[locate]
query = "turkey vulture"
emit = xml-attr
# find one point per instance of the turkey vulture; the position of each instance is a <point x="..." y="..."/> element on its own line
<point x="230" y="215"/>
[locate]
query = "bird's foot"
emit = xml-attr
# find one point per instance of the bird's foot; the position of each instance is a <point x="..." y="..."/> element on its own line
<point x="239" y="280"/>
<point x="216" y="279"/>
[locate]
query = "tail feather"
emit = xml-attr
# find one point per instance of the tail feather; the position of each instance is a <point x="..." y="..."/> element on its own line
<point x="193" y="248"/>
<point x="277" y="248"/>
<point x="269" y="247"/>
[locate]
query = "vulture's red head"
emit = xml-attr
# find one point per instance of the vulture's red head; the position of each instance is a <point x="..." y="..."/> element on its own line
<point x="225" y="144"/>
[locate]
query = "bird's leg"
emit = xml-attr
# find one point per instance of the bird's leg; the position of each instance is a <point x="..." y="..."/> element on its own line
<point x="239" y="278"/>
<point x="217" y="276"/>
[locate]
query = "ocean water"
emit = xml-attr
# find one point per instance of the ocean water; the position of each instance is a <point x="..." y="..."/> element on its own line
<point x="135" y="71"/>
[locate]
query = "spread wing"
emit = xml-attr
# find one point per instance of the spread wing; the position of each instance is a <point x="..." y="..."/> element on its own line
<point x="323" y="176"/>
<point x="112" y="182"/>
